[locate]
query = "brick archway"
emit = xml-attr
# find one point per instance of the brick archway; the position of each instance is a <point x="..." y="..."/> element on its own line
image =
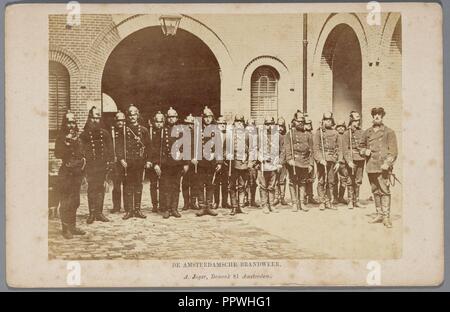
<point x="110" y="37"/>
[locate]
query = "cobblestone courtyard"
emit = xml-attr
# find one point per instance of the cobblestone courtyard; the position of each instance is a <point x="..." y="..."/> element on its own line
<point x="339" y="234"/>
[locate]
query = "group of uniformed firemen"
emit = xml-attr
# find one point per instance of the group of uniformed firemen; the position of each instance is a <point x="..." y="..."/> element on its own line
<point x="225" y="174"/>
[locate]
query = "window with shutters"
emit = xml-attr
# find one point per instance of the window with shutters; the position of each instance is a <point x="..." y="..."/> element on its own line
<point x="264" y="93"/>
<point x="59" y="96"/>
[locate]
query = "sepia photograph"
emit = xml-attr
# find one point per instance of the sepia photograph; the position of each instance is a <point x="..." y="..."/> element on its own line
<point x="208" y="136"/>
<point x="119" y="83"/>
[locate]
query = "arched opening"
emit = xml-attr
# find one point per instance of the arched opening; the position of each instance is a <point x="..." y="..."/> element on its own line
<point x="154" y="72"/>
<point x="342" y="55"/>
<point x="264" y="93"/>
<point x="59" y="96"/>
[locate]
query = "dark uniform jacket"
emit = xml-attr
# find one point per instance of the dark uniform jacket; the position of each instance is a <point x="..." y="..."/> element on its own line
<point x="303" y="148"/>
<point x="353" y="153"/>
<point x="240" y="142"/>
<point x="160" y="151"/>
<point x="331" y="145"/>
<point x="96" y="145"/>
<point x="137" y="141"/>
<point x="383" y="147"/>
<point x="70" y="152"/>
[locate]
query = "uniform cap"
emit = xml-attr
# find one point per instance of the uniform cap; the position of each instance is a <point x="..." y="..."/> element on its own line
<point x="172" y="113"/>
<point x="299" y="116"/>
<point x="378" y="110"/>
<point x="308" y="121"/>
<point x="281" y="122"/>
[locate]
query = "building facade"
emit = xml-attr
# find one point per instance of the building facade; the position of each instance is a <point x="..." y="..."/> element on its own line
<point x="253" y="64"/>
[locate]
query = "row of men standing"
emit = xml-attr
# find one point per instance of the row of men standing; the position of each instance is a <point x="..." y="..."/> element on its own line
<point x="130" y="149"/>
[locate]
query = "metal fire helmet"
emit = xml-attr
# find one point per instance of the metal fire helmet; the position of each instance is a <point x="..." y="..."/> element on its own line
<point x="281" y="122"/>
<point x="239" y="117"/>
<point x="189" y="119"/>
<point x="119" y="116"/>
<point x="95" y="112"/>
<point x="299" y="116"/>
<point x="132" y="109"/>
<point x="341" y="123"/>
<point x="70" y="117"/>
<point x="269" y="120"/>
<point x="172" y="113"/>
<point x="329" y="115"/>
<point x="207" y="112"/>
<point x="159" y="117"/>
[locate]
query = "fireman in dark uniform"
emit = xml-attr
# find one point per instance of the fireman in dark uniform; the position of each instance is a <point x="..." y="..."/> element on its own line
<point x="155" y="131"/>
<point x="328" y="156"/>
<point x="134" y="158"/>
<point x="280" y="184"/>
<point x="97" y="148"/>
<point x="221" y="181"/>
<point x="117" y="132"/>
<point x="168" y="167"/>
<point x="355" y="162"/>
<point x="207" y="166"/>
<point x="269" y="164"/>
<point x="68" y="148"/>
<point x="379" y="146"/>
<point x="298" y="155"/>
<point x="187" y="186"/>
<point x="312" y="175"/>
<point x="250" y="190"/>
<point x="239" y="164"/>
<point x="342" y="174"/>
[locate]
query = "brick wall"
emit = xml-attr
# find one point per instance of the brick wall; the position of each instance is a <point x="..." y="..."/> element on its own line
<point x="240" y="43"/>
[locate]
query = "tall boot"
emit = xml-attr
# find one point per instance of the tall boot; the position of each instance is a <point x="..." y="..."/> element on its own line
<point x="234" y="202"/>
<point x="91" y="206"/>
<point x="225" y="203"/>
<point x="379" y="216"/>
<point x="386" y="208"/>
<point x="174" y="205"/>
<point x="356" y="196"/>
<point x="154" y="196"/>
<point x="129" y="205"/>
<point x="202" y="202"/>
<point x="341" y="194"/>
<point x="76" y="231"/>
<point x="137" y="204"/>
<point x="99" y="208"/>
<point x="351" y="197"/>
<point x="209" y="202"/>
<point x="335" y="193"/>
<point x="272" y="201"/>
<point x="277" y="194"/>
<point x="253" y="196"/>
<point x="66" y="233"/>
<point x="302" y="192"/>
<point x="294" y="197"/>
<point x="186" y="198"/>
<point x="116" y="197"/>
<point x="264" y="200"/>
<point x="283" y="194"/>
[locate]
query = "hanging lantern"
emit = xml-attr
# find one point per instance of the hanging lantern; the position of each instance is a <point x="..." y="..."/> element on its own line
<point x="169" y="24"/>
